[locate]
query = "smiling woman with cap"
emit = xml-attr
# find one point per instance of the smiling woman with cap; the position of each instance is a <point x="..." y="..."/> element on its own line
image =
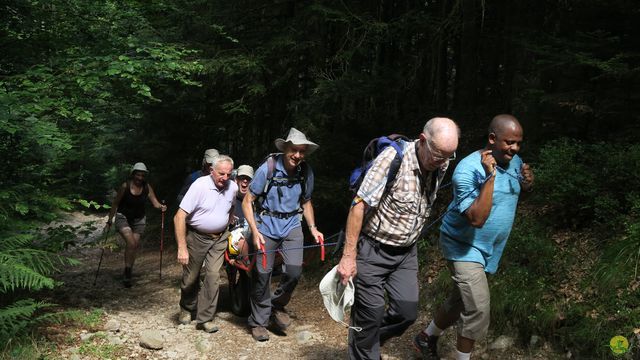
<point x="130" y="217"/>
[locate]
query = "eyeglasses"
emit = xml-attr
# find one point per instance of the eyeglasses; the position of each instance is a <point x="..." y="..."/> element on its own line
<point x="439" y="158"/>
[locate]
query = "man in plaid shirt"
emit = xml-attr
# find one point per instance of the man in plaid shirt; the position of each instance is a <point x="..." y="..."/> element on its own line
<point x="382" y="230"/>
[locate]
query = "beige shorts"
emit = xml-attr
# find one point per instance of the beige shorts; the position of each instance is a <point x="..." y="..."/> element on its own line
<point x="137" y="226"/>
<point x="470" y="297"/>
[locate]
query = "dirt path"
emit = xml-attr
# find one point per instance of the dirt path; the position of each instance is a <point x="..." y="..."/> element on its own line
<point x="152" y="304"/>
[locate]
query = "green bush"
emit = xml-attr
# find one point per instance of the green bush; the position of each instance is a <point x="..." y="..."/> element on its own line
<point x="586" y="183"/>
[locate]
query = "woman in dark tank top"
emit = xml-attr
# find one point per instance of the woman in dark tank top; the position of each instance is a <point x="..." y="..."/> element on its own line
<point x="128" y="208"/>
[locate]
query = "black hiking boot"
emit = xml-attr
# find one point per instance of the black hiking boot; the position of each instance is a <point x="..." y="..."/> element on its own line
<point x="427" y="346"/>
<point x="127" y="277"/>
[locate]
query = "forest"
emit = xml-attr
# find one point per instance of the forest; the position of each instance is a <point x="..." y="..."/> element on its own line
<point x="88" y="88"/>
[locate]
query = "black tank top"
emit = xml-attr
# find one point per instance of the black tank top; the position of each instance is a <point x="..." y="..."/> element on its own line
<point x="132" y="206"/>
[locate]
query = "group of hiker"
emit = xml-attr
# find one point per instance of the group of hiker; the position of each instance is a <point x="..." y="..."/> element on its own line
<point x="392" y="205"/>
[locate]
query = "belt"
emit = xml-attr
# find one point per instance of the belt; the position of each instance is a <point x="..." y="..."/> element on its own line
<point x="212" y="235"/>
<point x="278" y="215"/>
<point x="389" y="249"/>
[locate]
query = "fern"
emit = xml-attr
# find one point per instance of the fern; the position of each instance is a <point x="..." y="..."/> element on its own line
<point x="16" y="241"/>
<point x="41" y="261"/>
<point x="25" y="267"/>
<point x="19" y="316"/>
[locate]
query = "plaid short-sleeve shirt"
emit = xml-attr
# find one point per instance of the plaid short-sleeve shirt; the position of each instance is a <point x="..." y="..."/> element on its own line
<point x="397" y="217"/>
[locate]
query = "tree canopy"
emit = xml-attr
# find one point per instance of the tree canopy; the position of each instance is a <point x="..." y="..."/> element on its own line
<point x="88" y="88"/>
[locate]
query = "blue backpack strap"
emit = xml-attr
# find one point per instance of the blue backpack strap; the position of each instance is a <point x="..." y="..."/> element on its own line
<point x="195" y="175"/>
<point x="394" y="167"/>
<point x="270" y="160"/>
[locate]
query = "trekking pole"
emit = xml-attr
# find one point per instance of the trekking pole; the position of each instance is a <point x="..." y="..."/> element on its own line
<point x="161" y="239"/>
<point x="106" y="237"/>
<point x="264" y="256"/>
<point x="321" y="240"/>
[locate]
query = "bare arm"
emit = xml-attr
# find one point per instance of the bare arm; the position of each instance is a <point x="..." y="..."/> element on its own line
<point x="247" y="209"/>
<point x="115" y="204"/>
<point x="180" y="226"/>
<point x="347" y="267"/>
<point x="154" y="200"/>
<point x="309" y="215"/>
<point x="479" y="211"/>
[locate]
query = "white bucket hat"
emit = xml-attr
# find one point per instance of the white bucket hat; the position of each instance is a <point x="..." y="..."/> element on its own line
<point x="337" y="298"/>
<point x="296" y="137"/>
<point x="139" y="167"/>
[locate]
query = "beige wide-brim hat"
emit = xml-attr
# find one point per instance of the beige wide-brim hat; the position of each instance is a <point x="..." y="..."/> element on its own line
<point x="296" y="137"/>
<point x="337" y="298"/>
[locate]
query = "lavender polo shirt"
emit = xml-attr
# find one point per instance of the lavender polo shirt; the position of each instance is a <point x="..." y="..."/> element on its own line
<point x="208" y="207"/>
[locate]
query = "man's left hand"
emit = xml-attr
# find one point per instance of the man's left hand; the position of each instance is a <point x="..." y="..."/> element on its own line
<point x="317" y="235"/>
<point x="527" y="177"/>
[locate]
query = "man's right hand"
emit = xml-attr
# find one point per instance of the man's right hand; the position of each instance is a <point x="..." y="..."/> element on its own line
<point x="488" y="162"/>
<point x="258" y="240"/>
<point x="183" y="256"/>
<point x="347" y="268"/>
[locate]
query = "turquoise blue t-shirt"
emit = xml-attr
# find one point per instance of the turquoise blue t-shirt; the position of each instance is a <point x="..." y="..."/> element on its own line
<point x="462" y="242"/>
<point x="281" y="199"/>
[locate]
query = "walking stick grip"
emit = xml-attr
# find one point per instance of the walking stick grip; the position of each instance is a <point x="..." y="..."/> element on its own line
<point x="321" y="240"/>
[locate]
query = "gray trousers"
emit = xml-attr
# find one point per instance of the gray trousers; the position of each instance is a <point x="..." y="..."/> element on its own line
<point x="261" y="298"/>
<point x="193" y="298"/>
<point x="382" y="268"/>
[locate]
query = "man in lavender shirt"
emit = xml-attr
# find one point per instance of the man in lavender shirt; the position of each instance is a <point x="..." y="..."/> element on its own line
<point x="200" y="223"/>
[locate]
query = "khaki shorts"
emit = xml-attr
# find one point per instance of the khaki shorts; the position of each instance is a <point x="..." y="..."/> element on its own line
<point x="470" y="298"/>
<point x="137" y="226"/>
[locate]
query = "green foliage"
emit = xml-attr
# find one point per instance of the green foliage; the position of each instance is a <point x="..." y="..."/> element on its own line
<point x="583" y="182"/>
<point x="98" y="348"/>
<point x="87" y="319"/>
<point x="516" y="292"/>
<point x="620" y="262"/>
<point x="17" y="317"/>
<point x="25" y="266"/>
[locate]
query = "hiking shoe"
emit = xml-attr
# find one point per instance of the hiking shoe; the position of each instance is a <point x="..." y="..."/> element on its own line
<point x="127" y="277"/>
<point x="281" y="318"/>
<point x="185" y="317"/>
<point x="208" y="326"/>
<point x="260" y="333"/>
<point x="426" y="345"/>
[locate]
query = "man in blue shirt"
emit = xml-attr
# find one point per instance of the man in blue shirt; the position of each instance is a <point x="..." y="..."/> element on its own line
<point x="281" y="190"/>
<point x="474" y="232"/>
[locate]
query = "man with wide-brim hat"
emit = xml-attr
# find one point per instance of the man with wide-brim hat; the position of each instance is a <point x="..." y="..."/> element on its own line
<point x="280" y="191"/>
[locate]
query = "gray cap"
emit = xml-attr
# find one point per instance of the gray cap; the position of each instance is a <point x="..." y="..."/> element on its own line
<point x="210" y="156"/>
<point x="139" y="167"/>
<point x="245" y="170"/>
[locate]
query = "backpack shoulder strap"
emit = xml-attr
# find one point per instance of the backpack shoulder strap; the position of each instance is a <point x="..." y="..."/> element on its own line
<point x="195" y="175"/>
<point x="270" y="160"/>
<point x="304" y="172"/>
<point x="398" y="145"/>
